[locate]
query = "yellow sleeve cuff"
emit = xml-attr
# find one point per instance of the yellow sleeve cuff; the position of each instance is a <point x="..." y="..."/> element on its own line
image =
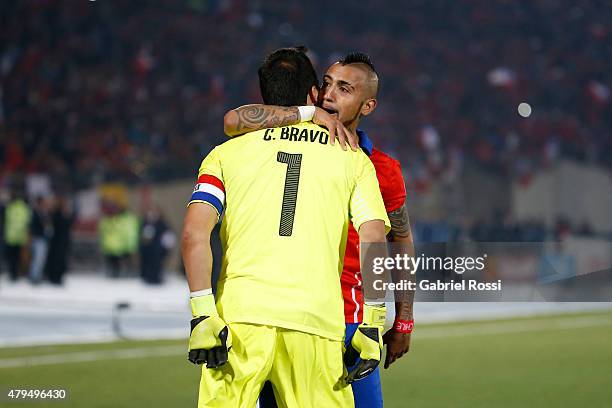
<point x="203" y="306"/>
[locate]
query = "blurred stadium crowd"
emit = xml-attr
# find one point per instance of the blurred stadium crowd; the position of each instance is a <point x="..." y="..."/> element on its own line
<point x="94" y="92"/>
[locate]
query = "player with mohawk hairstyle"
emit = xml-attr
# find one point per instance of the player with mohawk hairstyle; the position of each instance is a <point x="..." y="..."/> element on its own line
<point x="348" y="94"/>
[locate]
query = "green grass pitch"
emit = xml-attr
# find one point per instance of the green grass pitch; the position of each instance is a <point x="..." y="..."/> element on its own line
<point x="555" y="361"/>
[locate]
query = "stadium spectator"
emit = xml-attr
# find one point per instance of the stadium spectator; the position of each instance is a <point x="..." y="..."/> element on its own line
<point x="111" y="243"/>
<point x="16" y="233"/>
<point x="156" y="239"/>
<point x="2" y="244"/>
<point x="119" y="231"/>
<point x="41" y="230"/>
<point x="62" y="219"/>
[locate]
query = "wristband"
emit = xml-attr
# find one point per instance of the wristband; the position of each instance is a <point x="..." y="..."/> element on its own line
<point x="403" y="326"/>
<point x="306" y="113"/>
<point x="203" y="306"/>
<point x="202" y="292"/>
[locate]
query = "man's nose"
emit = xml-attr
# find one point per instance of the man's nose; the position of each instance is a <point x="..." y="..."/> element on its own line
<point x="329" y="95"/>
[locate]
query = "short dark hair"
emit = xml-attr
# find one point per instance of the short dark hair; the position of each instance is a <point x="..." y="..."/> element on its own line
<point x="358" y="58"/>
<point x="286" y="76"/>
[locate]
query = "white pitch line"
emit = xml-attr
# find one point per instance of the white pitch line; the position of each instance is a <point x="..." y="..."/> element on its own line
<point x="89" y="356"/>
<point x="103" y="337"/>
<point x="485" y="328"/>
<point x="472" y="329"/>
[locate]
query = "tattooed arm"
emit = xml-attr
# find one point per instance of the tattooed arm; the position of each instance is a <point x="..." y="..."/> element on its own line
<point x="399" y="343"/>
<point x="401" y="233"/>
<point x="249" y="118"/>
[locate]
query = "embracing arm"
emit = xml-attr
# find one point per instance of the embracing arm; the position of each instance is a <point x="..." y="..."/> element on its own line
<point x="249" y="118"/>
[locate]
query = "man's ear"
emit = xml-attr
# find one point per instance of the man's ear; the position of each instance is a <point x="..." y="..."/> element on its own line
<point x="313" y="95"/>
<point x="368" y="107"/>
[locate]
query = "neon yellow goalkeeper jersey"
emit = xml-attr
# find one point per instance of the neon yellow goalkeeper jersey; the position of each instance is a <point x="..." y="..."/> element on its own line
<point x="287" y="198"/>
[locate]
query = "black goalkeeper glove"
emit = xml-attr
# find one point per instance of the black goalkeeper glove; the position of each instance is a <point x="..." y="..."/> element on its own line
<point x="366" y="343"/>
<point x="210" y="338"/>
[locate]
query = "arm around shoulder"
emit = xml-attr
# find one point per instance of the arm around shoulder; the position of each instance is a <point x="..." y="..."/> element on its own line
<point x="249" y="118"/>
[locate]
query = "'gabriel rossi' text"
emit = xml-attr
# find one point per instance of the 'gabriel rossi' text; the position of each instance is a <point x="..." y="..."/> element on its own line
<point x="458" y="265"/>
<point x="426" y="285"/>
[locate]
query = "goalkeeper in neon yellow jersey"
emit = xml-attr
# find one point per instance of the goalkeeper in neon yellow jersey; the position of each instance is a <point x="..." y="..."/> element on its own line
<point x="349" y="94"/>
<point x="287" y="198"/>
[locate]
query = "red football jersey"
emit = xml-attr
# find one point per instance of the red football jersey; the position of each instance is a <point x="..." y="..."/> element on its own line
<point x="393" y="190"/>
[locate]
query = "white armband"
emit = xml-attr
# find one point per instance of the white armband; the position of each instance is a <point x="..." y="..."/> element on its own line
<point x="306" y="113"/>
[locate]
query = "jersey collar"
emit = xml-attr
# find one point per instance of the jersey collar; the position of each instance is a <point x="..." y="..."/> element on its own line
<point x="365" y="142"/>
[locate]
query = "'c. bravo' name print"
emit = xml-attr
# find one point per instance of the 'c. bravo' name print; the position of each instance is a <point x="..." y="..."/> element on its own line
<point x="294" y="134"/>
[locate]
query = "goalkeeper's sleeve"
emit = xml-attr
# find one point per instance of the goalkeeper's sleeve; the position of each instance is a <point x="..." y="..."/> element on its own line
<point x="210" y="338"/>
<point x="363" y="354"/>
